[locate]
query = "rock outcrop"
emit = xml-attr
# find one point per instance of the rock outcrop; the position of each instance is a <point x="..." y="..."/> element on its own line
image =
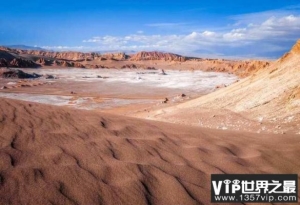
<point x="246" y="68"/>
<point x="69" y="55"/>
<point x="114" y="56"/>
<point x="3" y="62"/>
<point x="294" y="51"/>
<point x="242" y="68"/>
<point x="95" y="66"/>
<point x="63" y="63"/>
<point x="296" y="48"/>
<point x="134" y="66"/>
<point x="9" y="58"/>
<point x="22" y="63"/>
<point x="43" y="62"/>
<point x="157" y="56"/>
<point x="75" y="56"/>
<point x="129" y="66"/>
<point x="9" y="73"/>
<point x="6" y="55"/>
<point x="34" y="58"/>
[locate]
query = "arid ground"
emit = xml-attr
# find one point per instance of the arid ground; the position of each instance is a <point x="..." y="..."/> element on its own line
<point x="138" y="135"/>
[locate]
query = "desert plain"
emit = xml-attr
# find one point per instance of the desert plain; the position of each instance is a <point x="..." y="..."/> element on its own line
<point x="146" y="128"/>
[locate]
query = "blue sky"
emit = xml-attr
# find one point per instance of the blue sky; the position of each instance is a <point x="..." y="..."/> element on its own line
<point x="223" y="28"/>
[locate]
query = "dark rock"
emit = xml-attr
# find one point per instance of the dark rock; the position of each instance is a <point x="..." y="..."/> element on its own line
<point x="22" y="63"/>
<point x="163" y="72"/>
<point x="129" y="66"/>
<point x="165" y="101"/>
<point x="18" y="74"/>
<point x="3" y="62"/>
<point x="150" y="68"/>
<point x="49" y="77"/>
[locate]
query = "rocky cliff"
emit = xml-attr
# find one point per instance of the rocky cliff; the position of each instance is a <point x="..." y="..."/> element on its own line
<point x="8" y="59"/>
<point x="34" y="58"/>
<point x="67" y="55"/>
<point x="157" y="56"/>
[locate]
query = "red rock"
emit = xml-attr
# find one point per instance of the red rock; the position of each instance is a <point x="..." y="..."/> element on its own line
<point x="44" y="62"/>
<point x="157" y="56"/>
<point x="22" y="63"/>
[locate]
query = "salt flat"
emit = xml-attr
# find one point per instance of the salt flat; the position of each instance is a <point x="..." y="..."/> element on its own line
<point x="107" y="88"/>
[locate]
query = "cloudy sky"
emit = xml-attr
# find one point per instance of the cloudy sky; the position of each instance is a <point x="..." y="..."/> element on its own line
<point x="215" y="28"/>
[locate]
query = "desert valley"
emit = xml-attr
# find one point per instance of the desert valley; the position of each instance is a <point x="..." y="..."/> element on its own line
<point x="145" y="128"/>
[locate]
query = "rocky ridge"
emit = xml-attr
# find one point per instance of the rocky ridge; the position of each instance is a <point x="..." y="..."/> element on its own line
<point x="142" y="60"/>
<point x="140" y="56"/>
<point x="12" y="73"/>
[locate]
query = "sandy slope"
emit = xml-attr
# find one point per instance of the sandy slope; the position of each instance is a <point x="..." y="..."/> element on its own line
<point x="270" y="96"/>
<point x="55" y="155"/>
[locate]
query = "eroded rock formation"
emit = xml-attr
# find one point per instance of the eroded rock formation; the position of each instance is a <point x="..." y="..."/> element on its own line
<point x="157" y="56"/>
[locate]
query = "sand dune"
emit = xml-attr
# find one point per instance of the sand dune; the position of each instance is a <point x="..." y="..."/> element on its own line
<point x="55" y="155"/>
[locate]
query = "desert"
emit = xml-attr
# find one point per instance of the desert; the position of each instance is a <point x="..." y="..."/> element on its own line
<point x="65" y="145"/>
<point x="141" y="103"/>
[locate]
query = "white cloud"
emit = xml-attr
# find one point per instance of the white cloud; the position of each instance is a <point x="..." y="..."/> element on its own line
<point x="272" y="27"/>
<point x="67" y="48"/>
<point x="209" y="33"/>
<point x="250" y="35"/>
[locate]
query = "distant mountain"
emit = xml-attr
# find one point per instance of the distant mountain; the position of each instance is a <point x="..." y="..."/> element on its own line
<point x="12" y="57"/>
<point x="116" y="51"/>
<point x="155" y="55"/>
<point x="24" y="47"/>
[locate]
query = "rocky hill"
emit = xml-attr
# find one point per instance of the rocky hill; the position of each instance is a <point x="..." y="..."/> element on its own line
<point x="11" y="59"/>
<point x="270" y="96"/>
<point x="66" y="55"/>
<point x="241" y="68"/>
<point x="140" y="56"/>
<point x="155" y="60"/>
<point x="76" y="56"/>
<point x="24" y="47"/>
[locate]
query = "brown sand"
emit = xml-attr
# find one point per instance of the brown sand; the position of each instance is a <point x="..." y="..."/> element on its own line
<point x="56" y="155"/>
